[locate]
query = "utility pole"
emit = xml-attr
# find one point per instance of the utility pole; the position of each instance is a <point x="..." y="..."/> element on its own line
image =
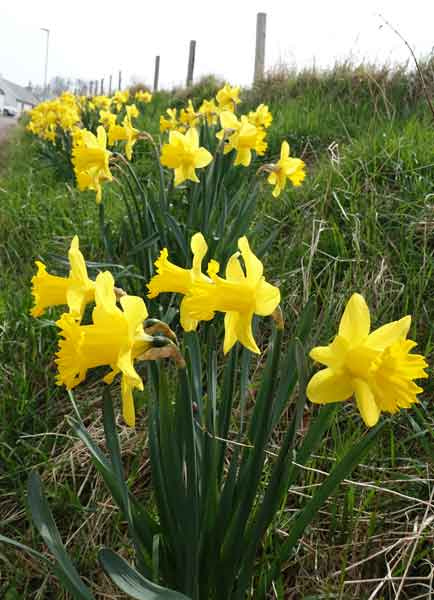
<point x="47" y="31"/>
<point x="191" y="57"/>
<point x="156" y="73"/>
<point x="261" y="21"/>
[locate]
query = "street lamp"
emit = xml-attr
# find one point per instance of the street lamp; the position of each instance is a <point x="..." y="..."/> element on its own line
<point x="46" y="63"/>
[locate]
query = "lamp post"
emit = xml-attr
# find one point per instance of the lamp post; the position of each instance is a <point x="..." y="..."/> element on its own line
<point x="46" y="62"/>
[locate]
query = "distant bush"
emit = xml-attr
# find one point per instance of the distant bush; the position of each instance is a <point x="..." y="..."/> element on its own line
<point x="140" y="87"/>
<point x="205" y="88"/>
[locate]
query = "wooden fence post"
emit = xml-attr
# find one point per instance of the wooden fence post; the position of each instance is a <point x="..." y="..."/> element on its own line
<point x="191" y="57"/>
<point x="110" y="86"/>
<point x="261" y="20"/>
<point x="156" y="73"/>
<point x="120" y="81"/>
<point x="91" y="88"/>
<point x="101" y="87"/>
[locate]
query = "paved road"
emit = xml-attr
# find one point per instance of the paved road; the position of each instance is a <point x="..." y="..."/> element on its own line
<point x="5" y="124"/>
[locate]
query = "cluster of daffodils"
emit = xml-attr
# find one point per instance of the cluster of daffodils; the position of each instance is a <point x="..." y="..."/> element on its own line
<point x="377" y="368"/>
<point x="240" y="295"/>
<point x="115" y="116"/>
<point x="90" y="153"/>
<point x="61" y="114"/>
<point x="119" y="333"/>
<point x="243" y="135"/>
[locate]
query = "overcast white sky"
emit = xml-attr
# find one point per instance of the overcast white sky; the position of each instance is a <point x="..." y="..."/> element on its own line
<point x="91" y="39"/>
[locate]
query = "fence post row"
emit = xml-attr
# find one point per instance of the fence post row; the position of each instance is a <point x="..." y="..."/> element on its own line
<point x="261" y="21"/>
<point x="191" y="57"/>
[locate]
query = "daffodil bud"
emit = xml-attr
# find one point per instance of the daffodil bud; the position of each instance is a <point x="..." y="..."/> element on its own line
<point x="154" y="326"/>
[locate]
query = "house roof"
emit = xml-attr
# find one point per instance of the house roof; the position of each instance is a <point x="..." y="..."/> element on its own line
<point x="17" y="92"/>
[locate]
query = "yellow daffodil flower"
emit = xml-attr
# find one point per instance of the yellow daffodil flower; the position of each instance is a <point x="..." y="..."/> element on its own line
<point x="184" y="155"/>
<point x="188" y="116"/>
<point x="174" y="279"/>
<point x="285" y="168"/>
<point x="171" y="123"/>
<point x="228" y="97"/>
<point x="124" y="133"/>
<point x="115" y="338"/>
<point x="242" y="136"/>
<point x="120" y="98"/>
<point x="102" y="102"/>
<point x="132" y="111"/>
<point x="240" y="296"/>
<point x="209" y="110"/>
<point x="376" y="367"/>
<point x="143" y="96"/>
<point x="261" y="117"/>
<point x="76" y="290"/>
<point x="91" y="161"/>
<point x="107" y="118"/>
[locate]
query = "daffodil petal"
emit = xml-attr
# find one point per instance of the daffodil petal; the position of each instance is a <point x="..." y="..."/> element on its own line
<point x="388" y="334"/>
<point x="244" y="332"/>
<point x="332" y="355"/>
<point x="267" y="298"/>
<point x="187" y="322"/>
<point x="234" y="271"/>
<point x="228" y="120"/>
<point x="105" y="297"/>
<point x="366" y="404"/>
<point x="356" y="321"/>
<point x="284" y="150"/>
<point x="75" y="299"/>
<point x="192" y="137"/>
<point x="202" y="158"/>
<point x="76" y="260"/>
<point x="128" y="410"/>
<point x="199" y="247"/>
<point x="135" y="311"/>
<point x="231" y="320"/>
<point x="327" y="386"/>
<point x="130" y="380"/>
<point x="254" y="267"/>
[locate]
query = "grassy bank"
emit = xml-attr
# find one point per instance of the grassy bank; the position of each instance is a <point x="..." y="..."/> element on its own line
<point x="363" y="221"/>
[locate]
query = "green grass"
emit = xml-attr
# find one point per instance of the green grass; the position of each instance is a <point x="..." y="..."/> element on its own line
<point x="363" y="221"/>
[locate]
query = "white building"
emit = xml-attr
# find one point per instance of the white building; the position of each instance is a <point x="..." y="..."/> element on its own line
<point x="17" y="97"/>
